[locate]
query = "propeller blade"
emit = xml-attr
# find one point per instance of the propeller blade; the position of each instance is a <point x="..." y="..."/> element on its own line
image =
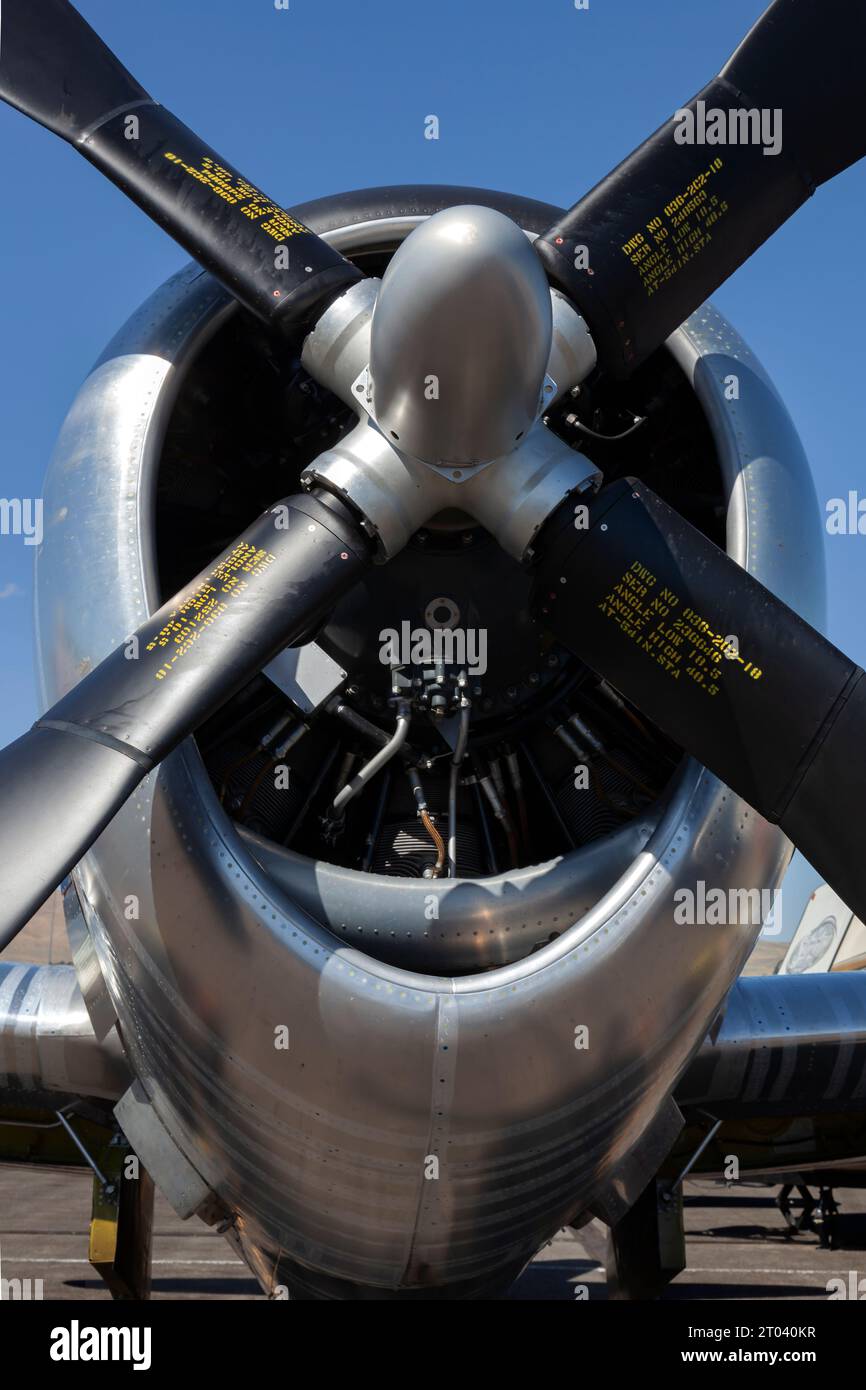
<point x="55" y="69"/>
<point x="63" y="781"/>
<point x="663" y="230"/>
<point x="717" y="662"/>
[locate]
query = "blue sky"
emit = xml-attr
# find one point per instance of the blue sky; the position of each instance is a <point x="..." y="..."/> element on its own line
<point x="531" y="95"/>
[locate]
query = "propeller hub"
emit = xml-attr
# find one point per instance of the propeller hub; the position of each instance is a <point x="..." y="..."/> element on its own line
<point x="461" y="337"/>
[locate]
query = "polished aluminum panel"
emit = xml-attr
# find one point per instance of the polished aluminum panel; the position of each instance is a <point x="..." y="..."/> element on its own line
<point x="47" y="1041"/>
<point x="324" y="1150"/>
<point x="455" y="925"/>
<point x="787" y="1045"/>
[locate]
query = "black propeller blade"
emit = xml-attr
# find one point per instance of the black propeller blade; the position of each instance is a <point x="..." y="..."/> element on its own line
<point x="663" y="230"/>
<point x="63" y="781"/>
<point x="55" y="69"/>
<point x="719" y="663"/>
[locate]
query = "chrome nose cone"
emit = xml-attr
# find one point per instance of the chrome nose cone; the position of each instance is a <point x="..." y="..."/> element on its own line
<point x="460" y="338"/>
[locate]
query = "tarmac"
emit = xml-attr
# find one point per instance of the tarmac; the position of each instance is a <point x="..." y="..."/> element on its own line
<point x="736" y="1248"/>
<point x="736" y="1239"/>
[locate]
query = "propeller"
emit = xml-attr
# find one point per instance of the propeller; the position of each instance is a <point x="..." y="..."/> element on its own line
<point x="86" y="755"/>
<point x="55" y="69"/>
<point x="719" y="663"/>
<point x="645" y="247"/>
<point x="697" y="644"/>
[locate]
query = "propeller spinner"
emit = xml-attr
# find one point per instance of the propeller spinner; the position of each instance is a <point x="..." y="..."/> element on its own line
<point x="460" y="339"/>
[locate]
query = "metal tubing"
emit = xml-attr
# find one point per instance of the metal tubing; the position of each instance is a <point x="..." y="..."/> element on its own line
<point x="377" y="762"/>
<point x="459" y="754"/>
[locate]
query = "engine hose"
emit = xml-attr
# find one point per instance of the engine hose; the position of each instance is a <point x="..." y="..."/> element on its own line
<point x="356" y="721"/>
<point x="438" y="842"/>
<point x="378" y="761"/>
<point x="424" y="816"/>
<point x="459" y="755"/>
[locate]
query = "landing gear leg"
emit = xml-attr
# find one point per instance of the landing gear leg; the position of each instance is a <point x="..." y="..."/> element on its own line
<point x="803" y="1222"/>
<point x="647" y="1248"/>
<point x="121" y="1224"/>
<point x="828" y="1229"/>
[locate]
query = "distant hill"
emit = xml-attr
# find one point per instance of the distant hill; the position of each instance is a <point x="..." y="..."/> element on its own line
<point x="765" y="957"/>
<point x="43" y="941"/>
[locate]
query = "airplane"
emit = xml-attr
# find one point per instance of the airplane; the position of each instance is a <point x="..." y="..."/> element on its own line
<point x="429" y="609"/>
<point x="828" y="937"/>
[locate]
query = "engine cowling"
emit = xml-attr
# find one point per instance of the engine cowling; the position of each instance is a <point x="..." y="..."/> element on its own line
<point x="460" y="1049"/>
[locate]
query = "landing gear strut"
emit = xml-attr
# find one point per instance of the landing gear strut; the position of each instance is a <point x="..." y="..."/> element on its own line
<point x="826" y="1227"/>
